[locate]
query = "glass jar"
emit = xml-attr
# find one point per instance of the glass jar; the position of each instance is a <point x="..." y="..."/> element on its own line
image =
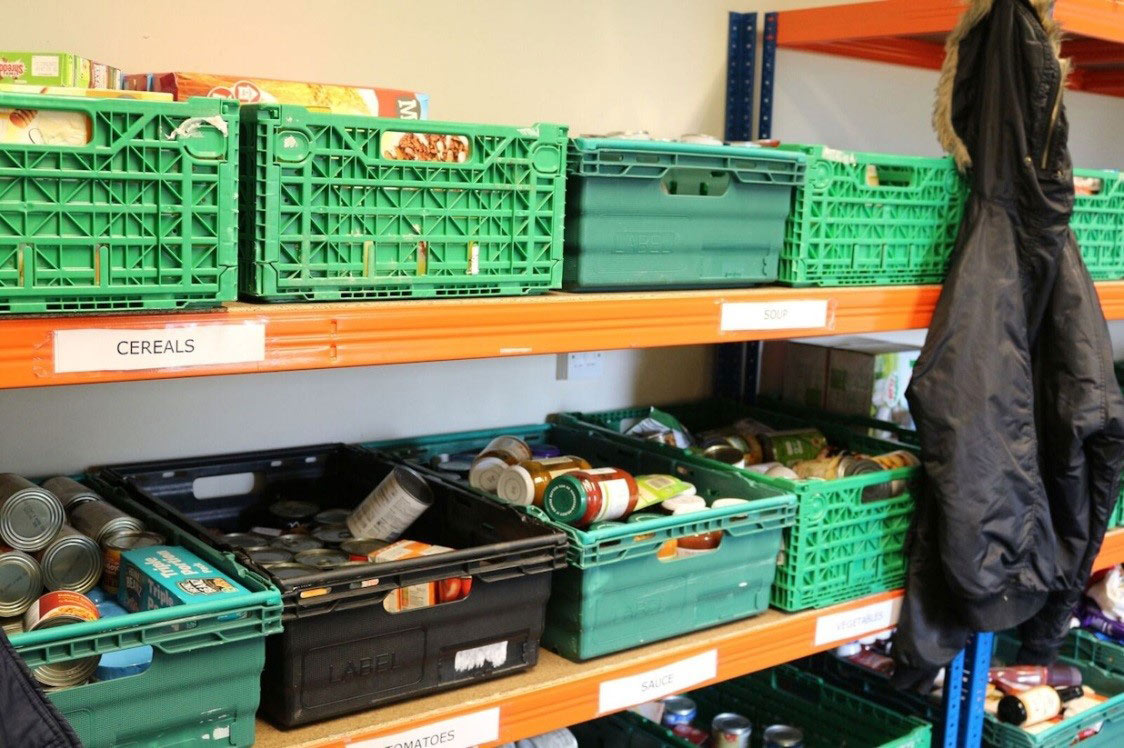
<point x="501" y="453"/>
<point x="583" y="497"/>
<point x="526" y="482"/>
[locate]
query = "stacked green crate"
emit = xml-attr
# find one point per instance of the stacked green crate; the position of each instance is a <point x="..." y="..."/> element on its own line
<point x="1098" y="222"/>
<point x="143" y="215"/>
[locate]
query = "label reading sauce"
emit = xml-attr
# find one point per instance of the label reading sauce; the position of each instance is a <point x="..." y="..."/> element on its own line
<point x="458" y="732"/>
<point x="158" y="348"/>
<point x="654" y="684"/>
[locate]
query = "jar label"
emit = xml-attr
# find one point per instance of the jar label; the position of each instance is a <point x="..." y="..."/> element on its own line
<point x="615" y="498"/>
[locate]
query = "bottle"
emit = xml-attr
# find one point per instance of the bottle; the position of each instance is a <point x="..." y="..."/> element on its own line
<point x="1017" y="678"/>
<point x="583" y="497"/>
<point x="1036" y="704"/>
<point x="500" y="453"/>
<point x="526" y="482"/>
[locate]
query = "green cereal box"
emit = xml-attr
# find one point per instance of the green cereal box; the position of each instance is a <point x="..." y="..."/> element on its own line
<point x="44" y="69"/>
<point x="165" y="575"/>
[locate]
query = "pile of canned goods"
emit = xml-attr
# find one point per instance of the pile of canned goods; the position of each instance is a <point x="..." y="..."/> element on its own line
<point x="58" y="540"/>
<point x="727" y="730"/>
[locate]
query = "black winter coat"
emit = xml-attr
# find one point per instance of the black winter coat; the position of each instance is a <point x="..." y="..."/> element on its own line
<point x="27" y="718"/>
<point x="1019" y="415"/>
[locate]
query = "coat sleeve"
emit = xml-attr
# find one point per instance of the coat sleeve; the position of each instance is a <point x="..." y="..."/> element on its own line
<point x="27" y="717"/>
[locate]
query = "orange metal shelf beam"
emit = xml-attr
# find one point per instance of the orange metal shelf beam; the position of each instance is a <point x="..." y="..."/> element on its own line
<point x="1112" y="551"/>
<point x="558" y="693"/>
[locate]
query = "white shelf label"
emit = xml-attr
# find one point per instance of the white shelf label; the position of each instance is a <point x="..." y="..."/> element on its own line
<point x="678" y="676"/>
<point x="774" y="315"/>
<point x="458" y="732"/>
<point x="857" y="623"/>
<point x="158" y="348"/>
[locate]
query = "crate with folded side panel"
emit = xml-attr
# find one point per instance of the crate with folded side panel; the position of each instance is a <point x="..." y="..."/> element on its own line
<point x="657" y="545"/>
<point x="853" y="491"/>
<point x="435" y="589"/>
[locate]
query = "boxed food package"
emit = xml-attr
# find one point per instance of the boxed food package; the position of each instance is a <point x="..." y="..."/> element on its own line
<point x="44" y="69"/>
<point x="161" y="576"/>
<point x="94" y="93"/>
<point x="55" y="126"/>
<point x="379" y="102"/>
<point x="427" y="593"/>
<point x="794" y="372"/>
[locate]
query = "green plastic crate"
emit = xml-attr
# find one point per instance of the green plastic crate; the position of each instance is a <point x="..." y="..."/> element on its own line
<point x="844" y="232"/>
<point x="841" y="546"/>
<point x="1098" y="222"/>
<point x="203" y="686"/>
<point x="652" y="214"/>
<point x="828" y="715"/>
<point x="616" y="594"/>
<point x="143" y="216"/>
<point x="329" y="216"/>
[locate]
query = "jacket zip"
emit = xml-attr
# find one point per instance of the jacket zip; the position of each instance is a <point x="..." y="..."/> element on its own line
<point x="1053" y="121"/>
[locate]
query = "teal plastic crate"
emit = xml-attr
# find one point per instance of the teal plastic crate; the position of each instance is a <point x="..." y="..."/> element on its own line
<point x="616" y="594"/>
<point x="1098" y="222"/>
<point x="654" y="214"/>
<point x="337" y="209"/>
<point x="143" y="216"/>
<point x="203" y="686"/>
<point x="871" y="219"/>
<point x="841" y="547"/>
<point x="828" y="715"/>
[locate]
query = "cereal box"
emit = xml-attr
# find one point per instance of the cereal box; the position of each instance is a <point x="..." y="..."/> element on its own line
<point x="379" y="102"/>
<point x="162" y="576"/>
<point x="44" y="69"/>
<point x="92" y="93"/>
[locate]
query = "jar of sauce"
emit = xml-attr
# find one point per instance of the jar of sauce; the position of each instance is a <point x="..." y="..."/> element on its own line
<point x="501" y="453"/>
<point x="583" y="497"/>
<point x="526" y="482"/>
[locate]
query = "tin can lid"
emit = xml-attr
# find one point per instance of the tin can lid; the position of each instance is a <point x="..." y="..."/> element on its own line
<point x="679" y="705"/>
<point x="565" y="499"/>
<point x="332" y="516"/>
<point x="295" y="542"/>
<point x="731" y="722"/>
<point x="362" y="546"/>
<point x="331" y="535"/>
<point x="245" y="539"/>
<point x="783" y="736"/>
<point x="20" y="582"/>
<point x="129" y="539"/>
<point x="289" y="509"/>
<point x="30" y="518"/>
<point x="268" y="555"/>
<point x="73" y="563"/>
<point x="290" y="570"/>
<point x="322" y="558"/>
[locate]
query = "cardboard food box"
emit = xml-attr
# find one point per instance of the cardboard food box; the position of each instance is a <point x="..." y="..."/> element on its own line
<point x="55" y="126"/>
<point x="162" y="576"/>
<point x="92" y="93"/>
<point x="44" y="69"/>
<point x="378" y="102"/>
<point x="427" y="593"/>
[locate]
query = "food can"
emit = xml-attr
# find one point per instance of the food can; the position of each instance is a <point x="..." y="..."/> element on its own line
<point x="322" y="558"/>
<point x="399" y="499"/>
<point x="113" y="546"/>
<point x="725" y="453"/>
<point x="456" y="464"/>
<point x="332" y="517"/>
<point x="789" y="447"/>
<point x="897" y="459"/>
<point x="244" y="539"/>
<point x="290" y="570"/>
<point x="332" y="535"/>
<point x="61" y="608"/>
<point x="292" y="513"/>
<point x="360" y="549"/>
<point x="29" y="515"/>
<point x="20" y="581"/>
<point x="678" y="710"/>
<point x="99" y="520"/>
<point x="265" y="554"/>
<point x="782" y="736"/>
<point x="71" y="561"/>
<point x="70" y="492"/>
<point x="729" y="730"/>
<point x="11" y="626"/>
<point x="295" y="542"/>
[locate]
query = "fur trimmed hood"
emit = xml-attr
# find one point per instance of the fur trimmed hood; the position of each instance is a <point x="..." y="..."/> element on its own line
<point x="942" y="110"/>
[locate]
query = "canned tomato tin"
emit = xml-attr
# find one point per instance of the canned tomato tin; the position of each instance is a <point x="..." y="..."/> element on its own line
<point x="725" y="453"/>
<point x="70" y="492"/>
<point x="678" y="710"/>
<point x="99" y="520"/>
<point x="61" y="608"/>
<point x="295" y="542"/>
<point x="244" y="539"/>
<point x="292" y="513"/>
<point x="360" y="549"/>
<point x="332" y="535"/>
<point x="782" y="736"/>
<point x="322" y="558"/>
<point x="332" y="517"/>
<point x="29" y="515"/>
<point x="113" y="546"/>
<point x="268" y="555"/>
<point x="729" y="730"/>
<point x="290" y="570"/>
<point x="71" y="561"/>
<point x="20" y="581"/>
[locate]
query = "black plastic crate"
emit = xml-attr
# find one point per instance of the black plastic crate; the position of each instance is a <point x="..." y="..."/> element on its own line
<point x="341" y="651"/>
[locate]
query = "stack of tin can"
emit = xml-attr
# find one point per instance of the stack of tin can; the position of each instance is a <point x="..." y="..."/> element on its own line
<point x="60" y="538"/>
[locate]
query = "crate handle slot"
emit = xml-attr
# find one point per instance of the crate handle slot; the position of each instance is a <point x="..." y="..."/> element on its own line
<point x="226" y="485"/>
<point x="890" y="177"/>
<point x="695" y="182"/>
<point x="70" y="127"/>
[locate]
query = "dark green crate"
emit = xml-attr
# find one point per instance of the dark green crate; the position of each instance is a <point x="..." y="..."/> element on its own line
<point x="1098" y="222"/>
<point x="841" y="547"/>
<point x="143" y="216"/>
<point x="843" y="232"/>
<point x="653" y="214"/>
<point x="616" y="593"/>
<point x="203" y="686"/>
<point x="329" y="216"/>
<point x="828" y="715"/>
